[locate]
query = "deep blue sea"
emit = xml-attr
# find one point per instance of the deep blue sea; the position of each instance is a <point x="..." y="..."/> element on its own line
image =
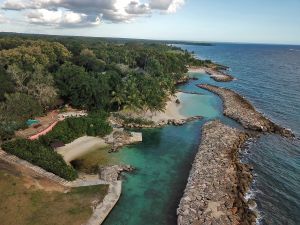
<point x="268" y="76"/>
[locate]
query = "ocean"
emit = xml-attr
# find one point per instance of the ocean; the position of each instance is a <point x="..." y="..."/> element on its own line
<point x="268" y="76"/>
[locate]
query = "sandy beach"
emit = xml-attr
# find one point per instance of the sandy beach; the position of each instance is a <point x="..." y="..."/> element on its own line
<point x="196" y="70"/>
<point x="80" y="147"/>
<point x="172" y="111"/>
<point x="215" y="74"/>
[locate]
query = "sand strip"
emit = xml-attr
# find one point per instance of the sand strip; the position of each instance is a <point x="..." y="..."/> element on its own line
<point x="215" y="74"/>
<point x="80" y="147"/>
<point x="171" y="112"/>
<point x="171" y="115"/>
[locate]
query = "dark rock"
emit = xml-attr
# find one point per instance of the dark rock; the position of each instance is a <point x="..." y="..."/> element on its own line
<point x="241" y="110"/>
<point x="218" y="180"/>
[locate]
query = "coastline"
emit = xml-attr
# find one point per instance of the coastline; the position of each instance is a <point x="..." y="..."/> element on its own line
<point x="169" y="116"/>
<point x="171" y="112"/>
<point x="218" y="181"/>
<point x="214" y="73"/>
<point x="241" y="110"/>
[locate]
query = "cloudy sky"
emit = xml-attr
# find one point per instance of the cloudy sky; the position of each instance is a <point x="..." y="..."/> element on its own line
<point x="258" y="21"/>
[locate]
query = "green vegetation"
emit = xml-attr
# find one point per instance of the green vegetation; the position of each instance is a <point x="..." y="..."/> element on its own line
<point x="88" y="73"/>
<point x="94" y="124"/>
<point x="39" y="72"/>
<point x="133" y="120"/>
<point x="45" y="207"/>
<point x="38" y="154"/>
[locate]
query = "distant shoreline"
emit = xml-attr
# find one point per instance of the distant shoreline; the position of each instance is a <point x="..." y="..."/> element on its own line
<point x="215" y="74"/>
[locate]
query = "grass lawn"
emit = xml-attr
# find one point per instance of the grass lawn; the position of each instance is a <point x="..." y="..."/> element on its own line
<point x="29" y="206"/>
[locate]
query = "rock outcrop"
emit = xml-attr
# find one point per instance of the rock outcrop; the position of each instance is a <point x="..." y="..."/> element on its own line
<point x="218" y="181"/>
<point x="119" y="122"/>
<point x="241" y="110"/>
<point x="119" y="137"/>
<point x="219" y="75"/>
<point x="112" y="173"/>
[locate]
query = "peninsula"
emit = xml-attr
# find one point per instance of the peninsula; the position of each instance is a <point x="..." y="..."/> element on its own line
<point x="64" y="101"/>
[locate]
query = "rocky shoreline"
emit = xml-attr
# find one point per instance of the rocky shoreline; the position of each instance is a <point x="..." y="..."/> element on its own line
<point x="217" y="74"/>
<point x="119" y="122"/>
<point x="185" y="79"/>
<point x="241" y="110"/>
<point x="190" y="92"/>
<point x="120" y="137"/>
<point x="218" y="181"/>
<point x="112" y="173"/>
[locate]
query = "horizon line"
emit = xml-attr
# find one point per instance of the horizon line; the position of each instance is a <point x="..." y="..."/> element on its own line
<point x="162" y="40"/>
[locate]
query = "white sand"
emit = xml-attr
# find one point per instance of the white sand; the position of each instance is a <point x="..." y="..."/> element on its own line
<point x="80" y="147"/>
<point x="196" y="70"/>
<point x="171" y="112"/>
<point x="211" y="72"/>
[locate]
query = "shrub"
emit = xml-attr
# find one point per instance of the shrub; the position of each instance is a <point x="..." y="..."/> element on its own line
<point x="36" y="153"/>
<point x="61" y="132"/>
<point x="97" y="127"/>
<point x="72" y="128"/>
<point x="8" y="128"/>
<point x="134" y="120"/>
<point x="40" y="153"/>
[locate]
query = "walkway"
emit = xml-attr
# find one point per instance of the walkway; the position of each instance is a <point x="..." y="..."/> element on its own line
<point x="101" y="211"/>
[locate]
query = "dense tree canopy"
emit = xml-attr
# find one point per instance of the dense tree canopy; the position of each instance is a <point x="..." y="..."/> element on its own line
<point x="88" y="73"/>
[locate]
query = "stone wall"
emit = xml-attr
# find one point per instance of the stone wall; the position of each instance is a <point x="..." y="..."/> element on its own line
<point x="218" y="181"/>
<point x="241" y="110"/>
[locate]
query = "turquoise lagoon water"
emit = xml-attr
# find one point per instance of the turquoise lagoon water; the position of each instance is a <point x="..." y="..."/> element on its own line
<point x="269" y="76"/>
<point x="151" y="194"/>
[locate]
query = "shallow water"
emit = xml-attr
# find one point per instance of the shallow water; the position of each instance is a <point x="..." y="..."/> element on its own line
<point x="269" y="76"/>
<point x="151" y="194"/>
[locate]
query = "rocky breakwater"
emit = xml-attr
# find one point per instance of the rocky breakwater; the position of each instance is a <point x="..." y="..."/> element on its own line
<point x="218" y="181"/>
<point x="241" y="110"/>
<point x="218" y="75"/>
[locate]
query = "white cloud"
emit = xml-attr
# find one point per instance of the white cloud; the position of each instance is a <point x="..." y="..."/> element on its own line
<point x="60" y="18"/>
<point x="175" y="5"/>
<point x="66" y="12"/>
<point x="170" y="6"/>
<point x="3" y="18"/>
<point x="136" y="8"/>
<point x="14" y="5"/>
